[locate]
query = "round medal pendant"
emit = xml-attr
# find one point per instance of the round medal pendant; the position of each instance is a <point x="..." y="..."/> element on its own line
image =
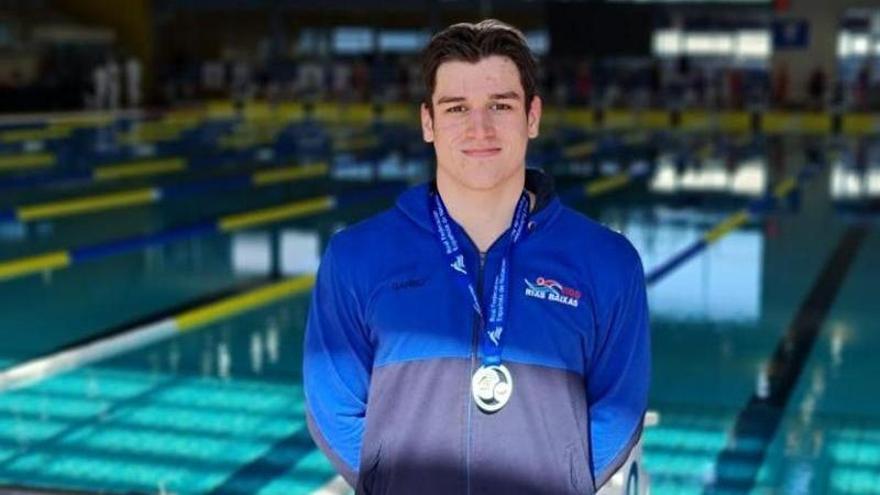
<point x="492" y="387"/>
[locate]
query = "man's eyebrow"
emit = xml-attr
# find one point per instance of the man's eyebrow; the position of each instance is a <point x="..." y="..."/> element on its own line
<point x="450" y="99"/>
<point x="510" y="95"/>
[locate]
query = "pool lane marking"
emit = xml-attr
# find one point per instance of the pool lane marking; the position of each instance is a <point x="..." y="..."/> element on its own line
<point x="276" y="214"/>
<point x="77" y="206"/>
<point x="781" y="191"/>
<point x="149" y="195"/>
<point x="93" y="350"/>
<point x="600" y="186"/>
<point x="74" y="357"/>
<point x="606" y="184"/>
<point x="727" y="226"/>
<point x="39" y="369"/>
<point x="32" y="264"/>
<point x="129" y="168"/>
<point x="167" y="312"/>
<point x="233" y="305"/>
<point x="103" y="173"/>
<point x="292" y="173"/>
<point x="61" y="259"/>
<point x="579" y="150"/>
<point x="759" y="420"/>
<point x="39" y="134"/>
<point x="785" y="188"/>
<point x="27" y="161"/>
<point x="140" y="168"/>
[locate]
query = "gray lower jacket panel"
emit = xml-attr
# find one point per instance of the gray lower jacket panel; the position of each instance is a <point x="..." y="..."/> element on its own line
<point x="342" y="468"/>
<point x="424" y="434"/>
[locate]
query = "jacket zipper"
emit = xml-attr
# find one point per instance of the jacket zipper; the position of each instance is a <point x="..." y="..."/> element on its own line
<point x="475" y="340"/>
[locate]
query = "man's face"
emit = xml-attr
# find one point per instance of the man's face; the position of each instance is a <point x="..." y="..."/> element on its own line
<point x="480" y="128"/>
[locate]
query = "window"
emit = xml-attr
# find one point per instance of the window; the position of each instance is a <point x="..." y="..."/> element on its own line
<point x="311" y="42"/>
<point x="400" y="41"/>
<point x="352" y="40"/>
<point x="708" y="44"/>
<point x="538" y="41"/>
<point x="744" y="44"/>
<point x="667" y="42"/>
<point x="855" y="44"/>
<point x="753" y="44"/>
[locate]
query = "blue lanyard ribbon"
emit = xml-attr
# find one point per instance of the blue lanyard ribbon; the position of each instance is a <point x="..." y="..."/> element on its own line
<point x="493" y="322"/>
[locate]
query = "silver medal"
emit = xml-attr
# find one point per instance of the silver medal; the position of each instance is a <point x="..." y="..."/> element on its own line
<point x="492" y="387"/>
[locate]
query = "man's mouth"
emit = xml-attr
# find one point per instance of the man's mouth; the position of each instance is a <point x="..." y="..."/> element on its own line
<point x="481" y="152"/>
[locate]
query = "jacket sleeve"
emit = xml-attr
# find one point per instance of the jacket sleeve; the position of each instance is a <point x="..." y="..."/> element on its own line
<point x="619" y="376"/>
<point x="337" y="364"/>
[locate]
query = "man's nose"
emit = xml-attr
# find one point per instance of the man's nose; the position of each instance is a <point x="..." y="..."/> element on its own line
<point x="480" y="124"/>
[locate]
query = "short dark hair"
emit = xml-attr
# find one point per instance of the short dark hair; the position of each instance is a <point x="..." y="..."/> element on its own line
<point x="469" y="42"/>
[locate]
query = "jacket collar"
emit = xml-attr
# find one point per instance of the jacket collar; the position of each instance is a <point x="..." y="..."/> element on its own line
<point x="414" y="202"/>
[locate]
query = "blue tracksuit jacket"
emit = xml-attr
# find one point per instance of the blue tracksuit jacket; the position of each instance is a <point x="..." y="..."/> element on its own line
<point x="391" y="345"/>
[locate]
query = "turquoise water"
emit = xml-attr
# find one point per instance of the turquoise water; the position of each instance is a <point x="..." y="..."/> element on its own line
<point x="220" y="409"/>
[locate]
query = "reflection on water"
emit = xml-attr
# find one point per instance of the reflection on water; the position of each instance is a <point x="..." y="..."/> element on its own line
<point x="287" y="252"/>
<point x="251" y="253"/>
<point x="300" y="251"/>
<point x="189" y="413"/>
<point x="852" y="184"/>
<point x="721" y="284"/>
<point x="748" y="178"/>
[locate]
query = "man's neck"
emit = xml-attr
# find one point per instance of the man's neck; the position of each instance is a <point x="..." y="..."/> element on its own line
<point x="483" y="214"/>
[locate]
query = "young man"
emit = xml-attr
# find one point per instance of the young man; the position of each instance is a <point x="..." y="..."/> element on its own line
<point x="478" y="338"/>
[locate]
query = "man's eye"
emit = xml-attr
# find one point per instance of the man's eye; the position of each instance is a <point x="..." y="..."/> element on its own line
<point x="500" y="106"/>
<point x="456" y="109"/>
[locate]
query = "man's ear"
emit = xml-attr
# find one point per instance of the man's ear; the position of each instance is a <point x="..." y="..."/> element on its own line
<point x="427" y="124"/>
<point x="534" y="116"/>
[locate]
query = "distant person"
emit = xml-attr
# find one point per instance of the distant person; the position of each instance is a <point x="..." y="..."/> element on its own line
<point x="242" y="85"/>
<point x="416" y="88"/>
<point x="699" y="85"/>
<point x="212" y="77"/>
<point x="780" y="86"/>
<point x="583" y="84"/>
<point x="381" y="78"/>
<point x="114" y="84"/>
<point x="310" y="80"/>
<point x="736" y="87"/>
<point x="479" y="337"/>
<point x="863" y="86"/>
<point x="133" y="81"/>
<point x="101" y="87"/>
<point x="817" y="86"/>
<point x="655" y="82"/>
<point x="558" y="85"/>
<point x="401" y="76"/>
<point x="341" y="74"/>
<point x="360" y="79"/>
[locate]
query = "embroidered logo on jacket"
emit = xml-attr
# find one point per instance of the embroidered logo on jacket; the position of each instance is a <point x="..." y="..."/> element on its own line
<point x="458" y="264"/>
<point x="551" y="290"/>
<point x="495" y="335"/>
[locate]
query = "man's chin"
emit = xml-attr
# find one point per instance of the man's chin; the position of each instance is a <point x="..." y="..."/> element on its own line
<point x="478" y="182"/>
<point x="482" y="175"/>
